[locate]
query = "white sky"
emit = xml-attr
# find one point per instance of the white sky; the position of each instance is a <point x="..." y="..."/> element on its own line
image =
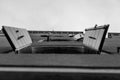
<point x="71" y="15"/>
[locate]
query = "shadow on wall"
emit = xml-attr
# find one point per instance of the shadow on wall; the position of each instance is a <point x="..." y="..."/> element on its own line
<point x="4" y="45"/>
<point x="55" y="76"/>
<point x="111" y="44"/>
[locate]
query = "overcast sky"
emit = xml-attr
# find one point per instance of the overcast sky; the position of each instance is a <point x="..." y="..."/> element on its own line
<point x="71" y="15"/>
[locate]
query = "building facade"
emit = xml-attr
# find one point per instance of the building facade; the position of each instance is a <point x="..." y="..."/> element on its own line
<point x="113" y="35"/>
<point x="56" y="32"/>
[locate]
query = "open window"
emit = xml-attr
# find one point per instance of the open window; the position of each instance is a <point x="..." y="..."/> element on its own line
<point x="94" y="37"/>
<point x="17" y="37"/>
<point x="92" y="43"/>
